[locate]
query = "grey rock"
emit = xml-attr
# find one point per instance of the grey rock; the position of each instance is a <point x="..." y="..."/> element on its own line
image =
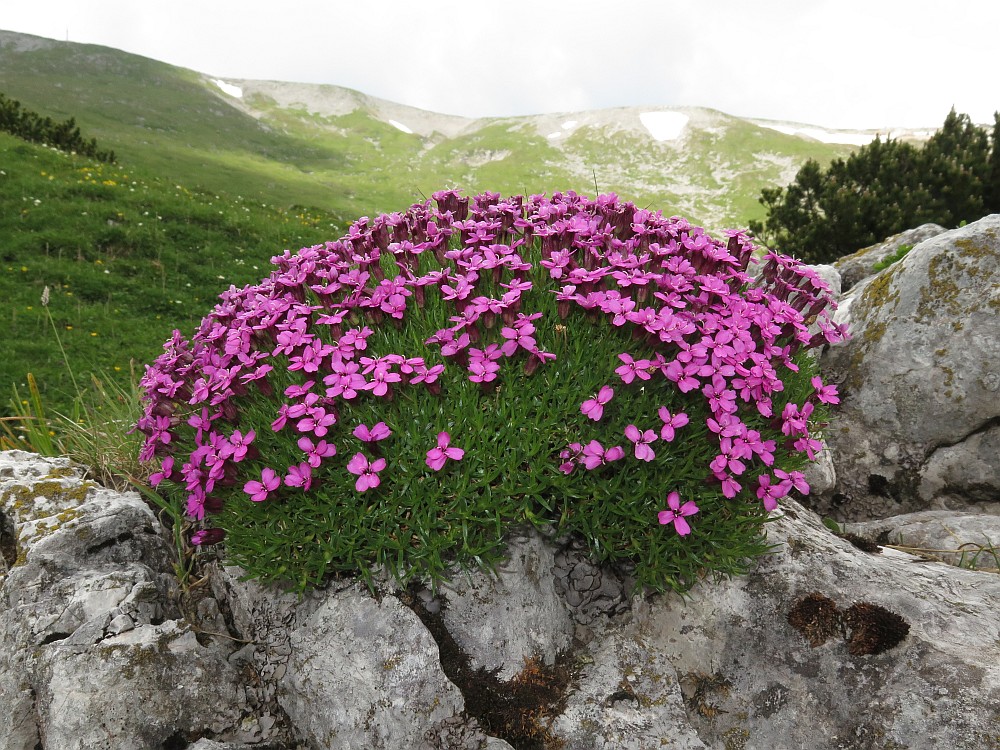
<point x="627" y="698"/>
<point x="753" y="679"/>
<point x="375" y="670"/>
<point x="968" y="471"/>
<point x="860" y="265"/>
<point x="594" y="593"/>
<point x="821" y="645"/>
<point x="133" y="691"/>
<point x="91" y="648"/>
<point x="969" y="540"/>
<point x="502" y="621"/>
<point x="920" y="376"/>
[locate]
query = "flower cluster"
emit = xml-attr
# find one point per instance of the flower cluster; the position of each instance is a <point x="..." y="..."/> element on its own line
<point x="266" y="401"/>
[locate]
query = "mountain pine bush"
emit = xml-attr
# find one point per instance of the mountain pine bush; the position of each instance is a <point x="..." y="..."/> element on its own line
<point x="885" y="188"/>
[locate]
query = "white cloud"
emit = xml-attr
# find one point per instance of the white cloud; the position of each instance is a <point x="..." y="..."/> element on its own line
<point x="841" y="64"/>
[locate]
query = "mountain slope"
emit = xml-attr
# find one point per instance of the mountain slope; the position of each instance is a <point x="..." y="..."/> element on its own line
<point x="351" y="154"/>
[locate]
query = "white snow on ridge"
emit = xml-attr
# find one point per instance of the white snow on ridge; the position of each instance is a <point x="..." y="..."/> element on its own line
<point x="228" y="88"/>
<point x="847" y="137"/>
<point x="569" y="125"/>
<point x="400" y="126"/>
<point x="664" y="126"/>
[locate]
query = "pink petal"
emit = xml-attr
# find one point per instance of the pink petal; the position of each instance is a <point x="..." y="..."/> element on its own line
<point x="358" y="464"/>
<point x="674" y="501"/>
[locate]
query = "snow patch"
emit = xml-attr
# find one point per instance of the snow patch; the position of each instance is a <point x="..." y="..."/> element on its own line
<point x="569" y="125"/>
<point x="850" y="138"/>
<point x="664" y="126"/>
<point x="228" y="88"/>
<point x="400" y="126"/>
<point x="557" y="134"/>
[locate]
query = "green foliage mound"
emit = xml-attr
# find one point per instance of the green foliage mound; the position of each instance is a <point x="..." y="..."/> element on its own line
<point x="401" y="396"/>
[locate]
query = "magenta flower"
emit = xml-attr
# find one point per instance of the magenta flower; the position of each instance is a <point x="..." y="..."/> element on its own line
<point x="677" y="512"/>
<point x="299" y="476"/>
<point x="825" y="393"/>
<point x="368" y="477"/>
<point x="594" y="454"/>
<point x="316" y="452"/>
<point x="633" y="369"/>
<point x="237" y="445"/>
<point x="269" y="482"/>
<point x="642" y="440"/>
<point x="379" y="432"/>
<point x="166" y="469"/>
<point x="205" y="537"/>
<point x="671" y="423"/>
<point x="794" y="478"/>
<point x="594" y="407"/>
<point x="437" y="456"/>
<point x="570" y="455"/>
<point x="770" y="493"/>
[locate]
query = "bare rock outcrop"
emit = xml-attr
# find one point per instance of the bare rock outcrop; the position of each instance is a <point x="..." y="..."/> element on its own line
<point x="919" y="420"/>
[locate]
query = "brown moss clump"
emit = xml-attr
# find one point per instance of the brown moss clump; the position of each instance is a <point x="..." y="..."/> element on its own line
<point x="874" y="629"/>
<point x="865" y="545"/>
<point x="817" y="618"/>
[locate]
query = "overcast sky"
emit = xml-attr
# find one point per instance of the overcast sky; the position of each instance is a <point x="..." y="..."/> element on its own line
<point x="835" y="63"/>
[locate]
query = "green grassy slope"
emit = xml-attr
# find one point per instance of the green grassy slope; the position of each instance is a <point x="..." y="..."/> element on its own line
<point x="127" y="255"/>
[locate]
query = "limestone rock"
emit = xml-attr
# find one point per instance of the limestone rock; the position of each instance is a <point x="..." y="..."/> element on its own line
<point x="969" y="540"/>
<point x="920" y="376"/>
<point x="825" y="646"/>
<point x="860" y="265"/>
<point x="501" y="621"/>
<point x="375" y="671"/>
<point x="627" y="697"/>
<point x="822" y="645"/>
<point x="91" y="647"/>
<point x="145" y="688"/>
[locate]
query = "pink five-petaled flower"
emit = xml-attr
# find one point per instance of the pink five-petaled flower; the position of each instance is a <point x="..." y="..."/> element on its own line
<point x="771" y="493"/>
<point x="444" y="450"/>
<point x="594" y="407"/>
<point x="595" y="455"/>
<point x="367" y="472"/>
<point x="671" y="423"/>
<point x="379" y="432"/>
<point x="166" y="468"/>
<point x="269" y="482"/>
<point x="632" y="369"/>
<point x="676" y="513"/>
<point x="316" y="452"/>
<point x="299" y="476"/>
<point x="825" y="393"/>
<point x="236" y="446"/>
<point x="796" y="478"/>
<point x="569" y="455"/>
<point x="642" y="440"/>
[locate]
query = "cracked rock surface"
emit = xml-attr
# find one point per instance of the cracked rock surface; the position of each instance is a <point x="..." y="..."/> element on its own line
<point x="93" y="653"/>
<point x="919" y="416"/>
<point x="822" y="645"/>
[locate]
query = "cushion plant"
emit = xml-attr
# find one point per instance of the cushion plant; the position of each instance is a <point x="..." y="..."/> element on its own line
<point x="400" y="397"/>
